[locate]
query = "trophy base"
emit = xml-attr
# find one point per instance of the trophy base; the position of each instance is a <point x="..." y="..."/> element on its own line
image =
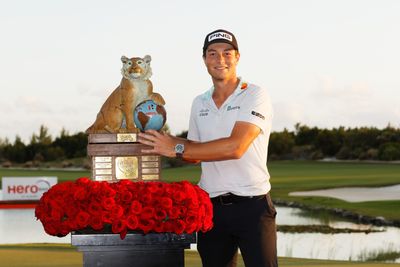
<point x="118" y="156"/>
<point x="137" y="249"/>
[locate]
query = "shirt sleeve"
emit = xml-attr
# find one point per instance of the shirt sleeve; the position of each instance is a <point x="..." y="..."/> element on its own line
<point x="256" y="108"/>
<point x="193" y="132"/>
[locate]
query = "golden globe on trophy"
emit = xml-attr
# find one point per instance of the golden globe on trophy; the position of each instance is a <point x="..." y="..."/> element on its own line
<point x="131" y="107"/>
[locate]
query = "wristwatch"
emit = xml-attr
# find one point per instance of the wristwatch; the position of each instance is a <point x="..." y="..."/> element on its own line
<point x="179" y="150"/>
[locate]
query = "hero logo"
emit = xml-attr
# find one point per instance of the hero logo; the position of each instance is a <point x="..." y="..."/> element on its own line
<point x="220" y="35"/>
<point x="41" y="185"/>
<point x="26" y="188"/>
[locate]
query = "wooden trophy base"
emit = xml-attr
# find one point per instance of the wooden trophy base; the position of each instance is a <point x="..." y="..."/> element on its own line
<point x="118" y="156"/>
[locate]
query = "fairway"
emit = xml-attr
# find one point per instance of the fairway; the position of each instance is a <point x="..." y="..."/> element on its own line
<point x="52" y="255"/>
<point x="290" y="176"/>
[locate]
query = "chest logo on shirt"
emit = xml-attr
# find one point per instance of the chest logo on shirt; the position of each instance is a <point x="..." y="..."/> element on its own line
<point x="257" y="114"/>
<point x="203" y="112"/>
<point x="229" y="108"/>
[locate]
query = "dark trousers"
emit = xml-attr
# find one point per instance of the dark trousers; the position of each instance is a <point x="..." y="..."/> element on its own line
<point x="249" y="225"/>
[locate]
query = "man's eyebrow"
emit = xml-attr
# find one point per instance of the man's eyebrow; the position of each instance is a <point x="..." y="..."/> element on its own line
<point x="213" y="50"/>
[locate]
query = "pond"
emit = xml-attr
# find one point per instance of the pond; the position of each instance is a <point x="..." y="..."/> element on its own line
<point x="20" y="226"/>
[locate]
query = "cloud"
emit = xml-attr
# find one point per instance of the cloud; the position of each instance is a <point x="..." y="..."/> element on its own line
<point x="287" y="114"/>
<point x="31" y="104"/>
<point x="330" y="87"/>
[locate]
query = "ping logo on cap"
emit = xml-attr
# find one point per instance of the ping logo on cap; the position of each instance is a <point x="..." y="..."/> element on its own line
<point x="220" y="35"/>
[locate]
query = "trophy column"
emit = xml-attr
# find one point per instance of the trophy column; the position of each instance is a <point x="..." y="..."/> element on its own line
<point x="118" y="156"/>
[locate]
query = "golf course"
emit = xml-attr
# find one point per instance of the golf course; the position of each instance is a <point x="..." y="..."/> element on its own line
<point x="286" y="177"/>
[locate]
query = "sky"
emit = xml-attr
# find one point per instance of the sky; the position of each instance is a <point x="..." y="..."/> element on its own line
<point x="325" y="63"/>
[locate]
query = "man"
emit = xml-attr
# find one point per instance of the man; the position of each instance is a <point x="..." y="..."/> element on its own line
<point x="228" y="133"/>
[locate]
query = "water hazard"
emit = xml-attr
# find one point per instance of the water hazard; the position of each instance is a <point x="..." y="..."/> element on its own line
<point x="20" y="226"/>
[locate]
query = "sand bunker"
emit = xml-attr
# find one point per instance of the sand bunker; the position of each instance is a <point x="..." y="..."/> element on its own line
<point x="356" y="194"/>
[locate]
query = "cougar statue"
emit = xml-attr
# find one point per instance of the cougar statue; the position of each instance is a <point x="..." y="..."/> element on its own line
<point x="134" y="88"/>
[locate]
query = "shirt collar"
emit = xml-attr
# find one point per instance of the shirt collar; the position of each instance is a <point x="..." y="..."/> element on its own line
<point x="240" y="88"/>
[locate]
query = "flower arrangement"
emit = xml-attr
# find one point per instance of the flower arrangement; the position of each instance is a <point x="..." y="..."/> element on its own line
<point x="178" y="207"/>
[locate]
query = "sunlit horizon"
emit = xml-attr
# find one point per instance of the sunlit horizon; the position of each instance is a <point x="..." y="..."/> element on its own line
<point x="325" y="64"/>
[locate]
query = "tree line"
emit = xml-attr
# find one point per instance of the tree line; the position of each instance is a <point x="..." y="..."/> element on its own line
<point x="304" y="142"/>
<point x="42" y="147"/>
<point x="364" y="143"/>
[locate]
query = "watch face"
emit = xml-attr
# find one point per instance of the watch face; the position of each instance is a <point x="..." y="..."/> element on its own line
<point x="179" y="148"/>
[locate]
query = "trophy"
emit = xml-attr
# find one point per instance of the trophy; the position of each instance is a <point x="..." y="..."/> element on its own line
<point x="131" y="107"/>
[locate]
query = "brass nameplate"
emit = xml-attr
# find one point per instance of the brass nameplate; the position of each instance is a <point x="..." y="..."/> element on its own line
<point x="126" y="168"/>
<point x="150" y="164"/>
<point x="149" y="158"/>
<point x="102" y="159"/>
<point x="150" y="177"/>
<point x="103" y="171"/>
<point x="126" y="137"/>
<point x="153" y="170"/>
<point x="102" y="178"/>
<point x="102" y="165"/>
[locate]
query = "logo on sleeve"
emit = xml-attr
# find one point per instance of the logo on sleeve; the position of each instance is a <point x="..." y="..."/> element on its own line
<point x="257" y="114"/>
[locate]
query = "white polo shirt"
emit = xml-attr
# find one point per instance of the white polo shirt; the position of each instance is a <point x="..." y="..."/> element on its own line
<point x="247" y="176"/>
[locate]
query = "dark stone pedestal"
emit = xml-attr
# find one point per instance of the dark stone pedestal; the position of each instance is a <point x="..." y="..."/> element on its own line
<point x="136" y="250"/>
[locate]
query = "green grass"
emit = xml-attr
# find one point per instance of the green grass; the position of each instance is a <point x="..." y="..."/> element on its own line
<point x="301" y="176"/>
<point x="46" y="255"/>
<point x="289" y="176"/>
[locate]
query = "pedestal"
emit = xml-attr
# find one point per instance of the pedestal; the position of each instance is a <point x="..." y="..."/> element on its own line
<point x="136" y="250"/>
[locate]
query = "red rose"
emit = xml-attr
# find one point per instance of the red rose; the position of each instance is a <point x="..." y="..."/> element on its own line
<point x="146" y="198"/>
<point x="56" y="213"/>
<point x="132" y="222"/>
<point x="146" y="225"/>
<point x="166" y="203"/>
<point x="126" y="196"/>
<point x="178" y="196"/>
<point x="159" y="227"/>
<point x="147" y="213"/>
<point x="136" y="207"/>
<point x="174" y="212"/>
<point x="96" y="223"/>
<point x="83" y="181"/>
<point x="50" y="229"/>
<point x="80" y="194"/>
<point x="95" y="208"/>
<point x="82" y="219"/>
<point x="106" y="217"/>
<point x="148" y="206"/>
<point x="179" y="226"/>
<point x="118" y="226"/>
<point x="160" y="214"/>
<point x="108" y="203"/>
<point x="151" y="187"/>
<point x="190" y="228"/>
<point x="117" y="212"/>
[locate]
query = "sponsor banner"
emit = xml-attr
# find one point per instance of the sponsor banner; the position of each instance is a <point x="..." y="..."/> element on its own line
<point x="26" y="188"/>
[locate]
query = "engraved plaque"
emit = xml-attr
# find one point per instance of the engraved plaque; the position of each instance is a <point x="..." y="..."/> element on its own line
<point x="103" y="178"/>
<point x="103" y="171"/>
<point x="149" y="158"/>
<point x="150" y="177"/>
<point x="119" y="156"/>
<point x="153" y="170"/>
<point x="126" y="137"/>
<point x="126" y="168"/>
<point x="150" y="164"/>
<point x="102" y="159"/>
<point x="102" y="165"/>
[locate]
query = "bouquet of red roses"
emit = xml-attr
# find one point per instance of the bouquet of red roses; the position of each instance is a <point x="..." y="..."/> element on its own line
<point x="178" y="207"/>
